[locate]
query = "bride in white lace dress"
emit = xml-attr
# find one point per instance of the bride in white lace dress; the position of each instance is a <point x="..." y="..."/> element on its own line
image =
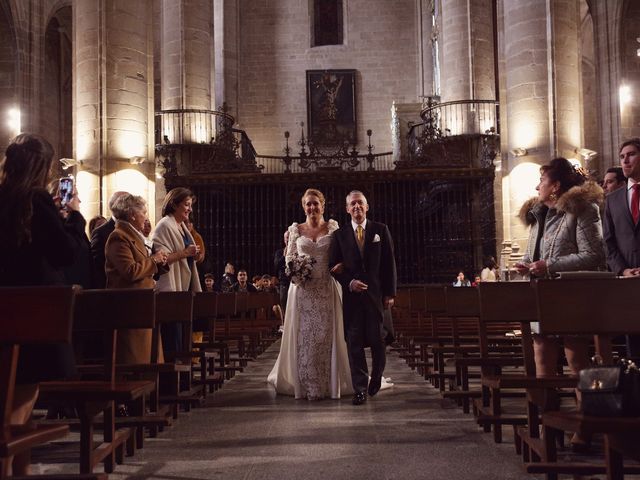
<point x="313" y="361"/>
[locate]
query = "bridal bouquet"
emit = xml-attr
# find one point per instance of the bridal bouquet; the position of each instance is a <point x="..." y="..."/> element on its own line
<point x="299" y="268"/>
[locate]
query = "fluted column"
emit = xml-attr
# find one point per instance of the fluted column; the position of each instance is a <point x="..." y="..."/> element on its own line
<point x="542" y="94"/>
<point x="187" y="66"/>
<point x="113" y="97"/>
<point x="467" y="67"/>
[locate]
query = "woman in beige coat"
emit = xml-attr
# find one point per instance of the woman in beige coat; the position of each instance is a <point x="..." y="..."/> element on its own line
<point x="130" y="264"/>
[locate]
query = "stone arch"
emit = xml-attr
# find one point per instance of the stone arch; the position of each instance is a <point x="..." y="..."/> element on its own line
<point x="9" y="98"/>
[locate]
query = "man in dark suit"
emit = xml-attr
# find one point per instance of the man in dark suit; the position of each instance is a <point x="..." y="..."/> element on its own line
<point x="621" y="220"/>
<point x="362" y="260"/>
<point x="98" y="241"/>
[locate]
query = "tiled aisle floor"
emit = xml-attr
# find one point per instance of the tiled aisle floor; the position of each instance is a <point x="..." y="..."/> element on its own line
<point x="247" y="432"/>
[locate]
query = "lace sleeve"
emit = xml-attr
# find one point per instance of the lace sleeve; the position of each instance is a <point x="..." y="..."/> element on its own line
<point x="292" y="249"/>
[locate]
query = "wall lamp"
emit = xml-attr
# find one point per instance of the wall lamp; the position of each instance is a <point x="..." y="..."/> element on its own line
<point x="136" y="160"/>
<point x="67" y="163"/>
<point x="519" y="152"/>
<point x="585" y="153"/>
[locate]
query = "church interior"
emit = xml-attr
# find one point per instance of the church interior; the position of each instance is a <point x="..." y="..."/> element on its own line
<point x="440" y="111"/>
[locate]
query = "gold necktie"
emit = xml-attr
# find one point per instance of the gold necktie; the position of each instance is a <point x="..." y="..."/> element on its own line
<point x="360" y="236"/>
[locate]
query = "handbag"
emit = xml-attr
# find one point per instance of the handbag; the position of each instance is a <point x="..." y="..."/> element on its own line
<point x="611" y="391"/>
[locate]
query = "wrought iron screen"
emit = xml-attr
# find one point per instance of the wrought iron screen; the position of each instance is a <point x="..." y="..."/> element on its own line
<point x="441" y="222"/>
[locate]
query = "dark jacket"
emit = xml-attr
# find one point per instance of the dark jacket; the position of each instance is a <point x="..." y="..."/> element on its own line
<point x="98" y="242"/>
<point x="53" y="246"/>
<point x="621" y="236"/>
<point x="376" y="268"/>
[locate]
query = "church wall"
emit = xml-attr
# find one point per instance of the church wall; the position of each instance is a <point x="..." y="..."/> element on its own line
<point x="274" y="53"/>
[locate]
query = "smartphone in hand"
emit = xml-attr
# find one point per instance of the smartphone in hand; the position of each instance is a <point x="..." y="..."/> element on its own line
<point x="65" y="190"/>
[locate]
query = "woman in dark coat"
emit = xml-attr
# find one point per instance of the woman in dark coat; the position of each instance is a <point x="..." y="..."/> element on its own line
<point x="36" y="245"/>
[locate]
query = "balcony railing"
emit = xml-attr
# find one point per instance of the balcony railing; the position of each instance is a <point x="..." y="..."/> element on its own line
<point x="190" y="126"/>
<point x="307" y="164"/>
<point x="450" y="129"/>
<point x="462" y="117"/>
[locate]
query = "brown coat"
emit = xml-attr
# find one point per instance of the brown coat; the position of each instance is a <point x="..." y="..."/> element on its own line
<point x="128" y="265"/>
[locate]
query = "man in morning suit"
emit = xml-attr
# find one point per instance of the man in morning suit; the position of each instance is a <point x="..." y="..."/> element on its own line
<point x="362" y="260"/>
<point x="620" y="225"/>
<point x="98" y="241"/>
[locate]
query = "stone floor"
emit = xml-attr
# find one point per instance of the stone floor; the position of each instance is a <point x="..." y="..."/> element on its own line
<point x="247" y="432"/>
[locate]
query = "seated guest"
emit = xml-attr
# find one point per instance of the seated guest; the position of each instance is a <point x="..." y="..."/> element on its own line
<point x="129" y="265"/>
<point x="228" y="278"/>
<point x="36" y="244"/>
<point x="98" y="241"/>
<point x="209" y="282"/>
<point x="256" y="281"/>
<point x="461" y="281"/>
<point x="266" y="283"/>
<point x="243" y="285"/>
<point x="613" y="180"/>
<point x="96" y="222"/>
<point x="490" y="271"/>
<point x="565" y="235"/>
<point x="476" y="281"/>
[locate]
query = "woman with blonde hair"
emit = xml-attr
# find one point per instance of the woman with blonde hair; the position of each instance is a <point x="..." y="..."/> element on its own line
<point x="313" y="361"/>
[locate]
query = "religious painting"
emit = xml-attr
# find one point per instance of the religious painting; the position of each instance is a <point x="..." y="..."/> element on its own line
<point x="331" y="106"/>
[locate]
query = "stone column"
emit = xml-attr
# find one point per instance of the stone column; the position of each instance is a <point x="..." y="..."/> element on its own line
<point x="467" y="71"/>
<point x="542" y="95"/>
<point x="187" y="66"/>
<point x="606" y="31"/>
<point x="113" y="100"/>
<point x="226" y="27"/>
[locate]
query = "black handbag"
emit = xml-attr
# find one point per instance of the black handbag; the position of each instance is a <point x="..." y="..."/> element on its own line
<point x="610" y="391"/>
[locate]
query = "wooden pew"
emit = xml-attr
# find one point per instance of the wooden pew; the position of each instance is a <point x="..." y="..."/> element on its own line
<point x="603" y="308"/>
<point x="106" y="311"/>
<point x="175" y="374"/>
<point x="505" y="303"/>
<point x="205" y="309"/>
<point x="30" y="315"/>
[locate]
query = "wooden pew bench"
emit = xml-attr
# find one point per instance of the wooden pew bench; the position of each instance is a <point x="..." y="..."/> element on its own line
<point x="31" y="315"/>
<point x="576" y="307"/>
<point x="106" y="311"/>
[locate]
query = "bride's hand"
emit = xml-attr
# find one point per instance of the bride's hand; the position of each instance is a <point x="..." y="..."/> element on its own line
<point x="338" y="268"/>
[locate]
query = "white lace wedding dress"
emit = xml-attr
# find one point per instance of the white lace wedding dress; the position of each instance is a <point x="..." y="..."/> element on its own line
<point x="313" y="362"/>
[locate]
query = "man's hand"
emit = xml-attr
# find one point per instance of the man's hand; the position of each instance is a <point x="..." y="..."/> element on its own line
<point x="388" y="302"/>
<point x="631" y="272"/>
<point x="358" y="286"/>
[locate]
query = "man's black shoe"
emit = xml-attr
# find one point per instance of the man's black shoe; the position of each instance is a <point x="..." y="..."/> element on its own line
<point x="359" y="398"/>
<point x="374" y="386"/>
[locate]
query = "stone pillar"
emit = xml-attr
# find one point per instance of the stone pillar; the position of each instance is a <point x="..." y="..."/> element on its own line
<point x="542" y="95"/>
<point x="606" y="30"/>
<point x="187" y="54"/>
<point x="467" y="71"/>
<point x="113" y="98"/>
<point x="226" y="28"/>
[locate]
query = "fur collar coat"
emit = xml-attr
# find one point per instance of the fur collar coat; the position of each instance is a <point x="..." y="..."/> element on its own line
<point x="571" y="239"/>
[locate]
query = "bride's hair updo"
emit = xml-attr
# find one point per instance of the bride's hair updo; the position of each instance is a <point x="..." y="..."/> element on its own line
<point x="315" y="193"/>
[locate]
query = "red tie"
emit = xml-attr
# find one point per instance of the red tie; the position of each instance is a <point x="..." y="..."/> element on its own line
<point x="635" y="203"/>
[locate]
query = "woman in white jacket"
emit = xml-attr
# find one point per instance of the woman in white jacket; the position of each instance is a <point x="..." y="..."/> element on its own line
<point x="172" y="236"/>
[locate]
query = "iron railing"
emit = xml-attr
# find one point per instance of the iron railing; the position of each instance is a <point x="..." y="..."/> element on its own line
<point x="350" y="163"/>
<point x="190" y="126"/>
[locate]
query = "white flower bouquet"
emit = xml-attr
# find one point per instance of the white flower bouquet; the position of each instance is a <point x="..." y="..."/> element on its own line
<point x="299" y="268"/>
